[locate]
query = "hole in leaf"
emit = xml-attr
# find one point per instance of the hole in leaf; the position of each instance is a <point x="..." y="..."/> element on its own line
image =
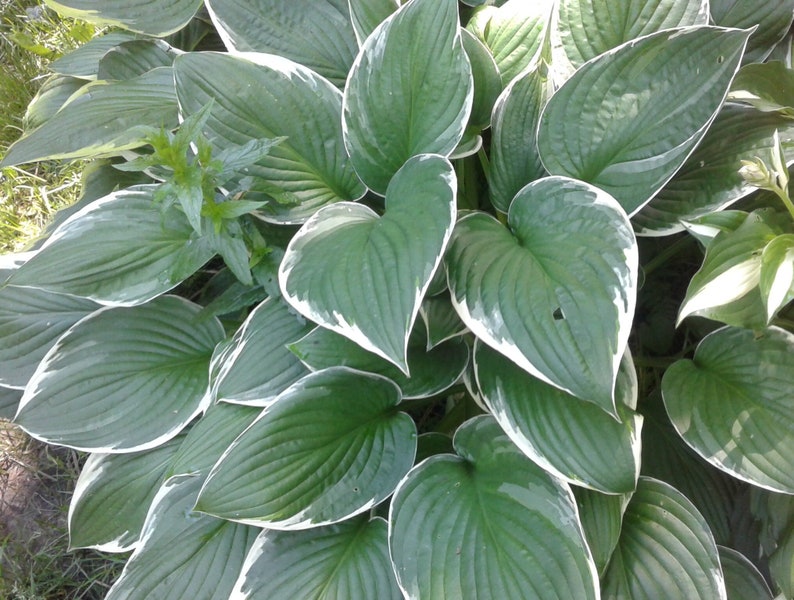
<point x="557" y="314"/>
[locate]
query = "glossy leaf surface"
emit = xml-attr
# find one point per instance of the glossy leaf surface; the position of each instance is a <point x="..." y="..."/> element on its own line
<point x="772" y="18"/>
<point x="777" y="274"/>
<point x="151" y="17"/>
<point x="743" y="580"/>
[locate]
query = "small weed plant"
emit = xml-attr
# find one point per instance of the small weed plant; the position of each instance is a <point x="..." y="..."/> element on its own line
<point x="434" y="299"/>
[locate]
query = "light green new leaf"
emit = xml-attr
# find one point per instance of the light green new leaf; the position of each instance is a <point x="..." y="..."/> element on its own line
<point x="183" y="554"/>
<point x="152" y="17"/>
<point x="556" y="292"/>
<point x="366" y="15"/>
<point x="9" y="402"/>
<point x="364" y="276"/>
<point x="602" y="518"/>
<point x="51" y="97"/>
<point x="84" y="61"/>
<point x="265" y="96"/>
<point x="777" y="274"/>
<point x="731" y="268"/>
<point x="315" y="33"/>
<point x="123" y="379"/>
<point x="102" y="119"/>
<point x="132" y="59"/>
<point x="765" y="86"/>
<point x="346" y="560"/>
<point x="772" y="18"/>
<point x="113" y="495"/>
<point x="410" y="91"/>
<point x="570" y="438"/>
<point x="257" y="365"/>
<point x="432" y="371"/>
<point x="30" y="323"/>
<point x="587" y="28"/>
<point x="441" y="319"/>
<point x="732" y="404"/>
<point x="97" y="254"/>
<point x="743" y="580"/>
<point x="331" y="446"/>
<point x="515" y="161"/>
<point x="487" y="523"/>
<point x="619" y="122"/>
<point x="710" y="181"/>
<point x="665" y="549"/>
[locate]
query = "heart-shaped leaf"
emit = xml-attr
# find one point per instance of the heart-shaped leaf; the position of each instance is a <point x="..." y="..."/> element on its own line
<point x="618" y="122"/>
<point x="409" y="92"/>
<point x="773" y="20"/>
<point x="333" y="445"/>
<point x="346" y="560"/>
<point x="556" y="295"/>
<point x="487" y="523"/>
<point x="665" y="549"/>
<point x="732" y="404"/>
<point x="574" y="440"/>
<point x="315" y="33"/>
<point x="364" y="276"/>
<point x="152" y="17"/>
<point x="306" y="170"/>
<point x="118" y="404"/>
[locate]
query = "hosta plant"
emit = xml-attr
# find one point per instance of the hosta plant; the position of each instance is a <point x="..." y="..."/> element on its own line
<point x="367" y="299"/>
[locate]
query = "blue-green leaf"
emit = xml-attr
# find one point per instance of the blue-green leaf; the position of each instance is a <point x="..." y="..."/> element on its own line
<point x="152" y="17"/>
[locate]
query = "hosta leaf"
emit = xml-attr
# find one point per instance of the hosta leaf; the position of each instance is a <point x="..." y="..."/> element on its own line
<point x="709" y="180"/>
<point x="84" y="61"/>
<point x="441" y="320"/>
<point x="257" y="366"/>
<point x="618" y="122"/>
<point x="487" y="82"/>
<point x="152" y="17"/>
<point x="346" y="560"/>
<point x="132" y="59"/>
<point x="122" y="379"/>
<point x="732" y="404"/>
<point x="316" y="34"/>
<point x="766" y="87"/>
<point x="777" y="274"/>
<point x="183" y="554"/>
<point x="731" y="268"/>
<point x="104" y="118"/>
<point x="573" y="439"/>
<point x="333" y="445"/>
<point x="589" y="28"/>
<point x="487" y="523"/>
<point x="374" y="294"/>
<point x="781" y="563"/>
<point x="305" y="171"/>
<point x="773" y="20"/>
<point x="536" y="295"/>
<point x="602" y="518"/>
<point x="665" y="549"/>
<point x="704" y="229"/>
<point x="113" y="495"/>
<point x="743" y="581"/>
<point x="515" y="161"/>
<point x="366" y="15"/>
<point x="30" y="323"/>
<point x="409" y="92"/>
<point x="431" y="371"/>
<point x="50" y="98"/>
<point x="9" y="402"/>
<point x="96" y="254"/>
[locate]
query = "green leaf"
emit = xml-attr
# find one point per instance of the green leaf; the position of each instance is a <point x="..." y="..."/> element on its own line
<point x="30" y="323"/>
<point x="84" y="61"/>
<point x="732" y="404"/>
<point x="410" y="91"/>
<point x="773" y="20"/>
<point x="310" y="166"/>
<point x="257" y="365"/>
<point x="768" y="87"/>
<point x="441" y="320"/>
<point x="777" y="274"/>
<point x="9" y="402"/>
<point x="515" y="161"/>
<point x="315" y="33"/>
<point x="132" y="59"/>
<point x="183" y="554"/>
<point x="743" y="581"/>
<point x="432" y="371"/>
<point x="781" y="562"/>
<point x="113" y="495"/>
<point x="618" y="122"/>
<point x="602" y="518"/>
<point x="665" y="549"/>
<point x="487" y="523"/>
<point x="533" y="294"/>
<point x="332" y="446"/>
<point x="374" y="294"/>
<point x="487" y="82"/>
<point x="704" y="229"/>
<point x="346" y="560"/>
<point x="123" y="379"/>
<point x="152" y="17"/>
<point x="96" y="254"/>
<point x="102" y="119"/>
<point x="710" y="181"/>
<point x="731" y="268"/>
<point x="514" y="33"/>
<point x="589" y="28"/>
<point x="51" y="97"/>
<point x="572" y="439"/>
<point x="366" y="15"/>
